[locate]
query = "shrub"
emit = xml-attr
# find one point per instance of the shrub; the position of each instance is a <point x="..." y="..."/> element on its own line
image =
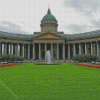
<point x="85" y="58"/>
<point x="11" y="58"/>
<point x="21" y="58"/>
<point x="76" y="58"/>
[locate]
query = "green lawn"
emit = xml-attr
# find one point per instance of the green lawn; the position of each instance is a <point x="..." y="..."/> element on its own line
<point x="49" y="82"/>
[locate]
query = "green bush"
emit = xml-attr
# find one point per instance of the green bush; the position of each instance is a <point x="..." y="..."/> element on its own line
<point x="85" y="58"/>
<point x="76" y="58"/>
<point x="11" y="58"/>
<point x="21" y="58"/>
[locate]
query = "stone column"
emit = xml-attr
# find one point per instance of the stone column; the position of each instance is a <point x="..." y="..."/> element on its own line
<point x="19" y="49"/>
<point x="45" y="49"/>
<point x="97" y="48"/>
<point x="51" y="50"/>
<point x="68" y="51"/>
<point x="85" y="49"/>
<point x="57" y="51"/>
<point x="17" y="46"/>
<point x="28" y="51"/>
<point x="33" y="50"/>
<point x="74" y="50"/>
<point x="63" y="50"/>
<point x="23" y="50"/>
<point x="39" y="50"/>
<point x="80" y="49"/>
<point x="91" y="48"/>
<point x="11" y="49"/>
<point x="5" y="48"/>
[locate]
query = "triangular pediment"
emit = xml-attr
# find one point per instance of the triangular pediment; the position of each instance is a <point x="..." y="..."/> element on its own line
<point x="48" y="36"/>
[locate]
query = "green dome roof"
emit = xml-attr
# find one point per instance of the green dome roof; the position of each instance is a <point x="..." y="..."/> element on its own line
<point x="49" y="16"/>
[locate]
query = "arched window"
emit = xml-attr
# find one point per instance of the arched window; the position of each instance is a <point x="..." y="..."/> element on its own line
<point x="48" y="28"/>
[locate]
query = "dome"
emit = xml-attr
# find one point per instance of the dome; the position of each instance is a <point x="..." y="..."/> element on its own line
<point x="49" y="23"/>
<point x="49" y="16"/>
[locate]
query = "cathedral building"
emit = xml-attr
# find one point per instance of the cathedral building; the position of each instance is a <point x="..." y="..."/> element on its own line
<point x="61" y="46"/>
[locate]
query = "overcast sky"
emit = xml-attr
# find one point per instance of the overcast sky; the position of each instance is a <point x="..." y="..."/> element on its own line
<point x="73" y="16"/>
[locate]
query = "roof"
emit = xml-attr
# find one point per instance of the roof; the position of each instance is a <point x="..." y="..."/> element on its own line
<point x="91" y="34"/>
<point x="83" y="35"/>
<point x="49" y="16"/>
<point x="16" y="36"/>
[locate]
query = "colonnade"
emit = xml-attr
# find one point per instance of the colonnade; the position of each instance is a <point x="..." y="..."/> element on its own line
<point x="89" y="48"/>
<point x="13" y="49"/>
<point x="28" y="51"/>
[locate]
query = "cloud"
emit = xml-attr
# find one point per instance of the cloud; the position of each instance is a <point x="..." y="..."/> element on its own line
<point x="83" y="6"/>
<point x="11" y="27"/>
<point x="76" y="28"/>
<point x="88" y="10"/>
<point x="96" y="23"/>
